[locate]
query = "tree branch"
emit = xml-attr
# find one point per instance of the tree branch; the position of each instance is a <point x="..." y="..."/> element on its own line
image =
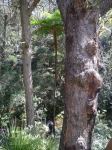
<point x="62" y="7"/>
<point x="33" y="5"/>
<point x="105" y="6"/>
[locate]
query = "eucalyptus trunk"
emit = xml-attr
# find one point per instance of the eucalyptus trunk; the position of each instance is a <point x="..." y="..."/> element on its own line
<point x="27" y="52"/>
<point x="82" y="80"/>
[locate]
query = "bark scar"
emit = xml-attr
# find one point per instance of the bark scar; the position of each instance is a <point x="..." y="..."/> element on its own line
<point x="88" y="79"/>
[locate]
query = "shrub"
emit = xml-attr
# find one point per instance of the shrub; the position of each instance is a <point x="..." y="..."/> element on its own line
<point x="101" y="136"/>
<point x="20" y="140"/>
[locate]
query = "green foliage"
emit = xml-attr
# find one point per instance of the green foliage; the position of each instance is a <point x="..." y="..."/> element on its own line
<point x="105" y="97"/>
<point x="20" y="140"/>
<point x="48" y="23"/>
<point x="101" y="136"/>
<point x="43" y="77"/>
<point x="11" y="82"/>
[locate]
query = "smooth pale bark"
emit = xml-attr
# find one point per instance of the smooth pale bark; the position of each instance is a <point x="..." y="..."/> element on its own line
<point x="82" y="80"/>
<point x="26" y="8"/>
<point x="27" y="52"/>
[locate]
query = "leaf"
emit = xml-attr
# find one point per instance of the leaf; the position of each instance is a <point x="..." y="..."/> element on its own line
<point x="48" y="23"/>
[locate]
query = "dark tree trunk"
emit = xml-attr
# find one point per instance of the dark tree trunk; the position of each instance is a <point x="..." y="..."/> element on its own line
<point x="56" y="50"/>
<point x="4" y="34"/>
<point x="27" y="52"/>
<point x="2" y="48"/>
<point x="82" y="80"/>
<point x="56" y="73"/>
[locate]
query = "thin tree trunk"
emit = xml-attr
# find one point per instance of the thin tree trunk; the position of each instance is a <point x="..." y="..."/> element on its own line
<point x="55" y="68"/>
<point x="2" y="53"/>
<point x="5" y="28"/>
<point x="56" y="50"/>
<point x="4" y="37"/>
<point x="27" y="52"/>
<point x="82" y="81"/>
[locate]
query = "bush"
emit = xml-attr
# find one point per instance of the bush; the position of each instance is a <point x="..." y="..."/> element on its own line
<point x="101" y="136"/>
<point x="20" y="140"/>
